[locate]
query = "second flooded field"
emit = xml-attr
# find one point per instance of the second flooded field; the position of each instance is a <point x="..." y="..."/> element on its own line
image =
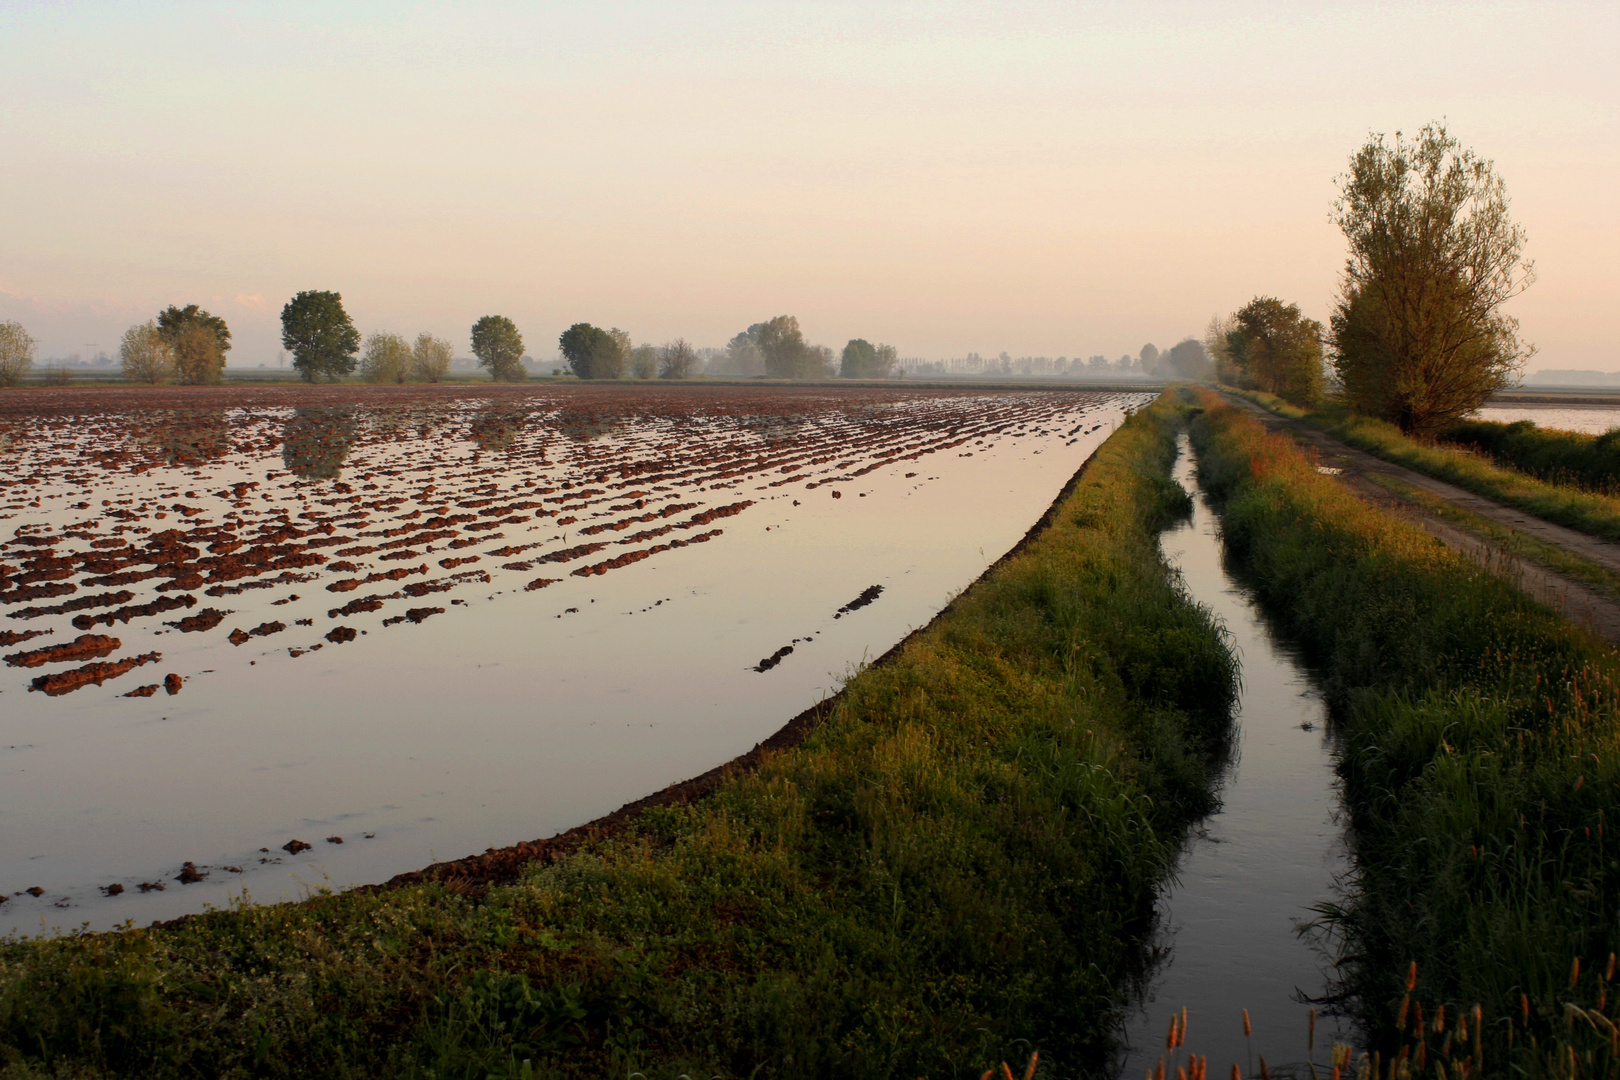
<point x="275" y="640"/>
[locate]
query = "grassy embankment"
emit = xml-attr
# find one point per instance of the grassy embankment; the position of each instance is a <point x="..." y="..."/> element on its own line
<point x="954" y="868"/>
<point x="1480" y="760"/>
<point x="1588" y="511"/>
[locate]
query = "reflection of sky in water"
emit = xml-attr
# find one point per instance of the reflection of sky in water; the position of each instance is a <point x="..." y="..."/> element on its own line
<point x="500" y="713"/>
<point x="1593" y="421"/>
<point x="1254" y="869"/>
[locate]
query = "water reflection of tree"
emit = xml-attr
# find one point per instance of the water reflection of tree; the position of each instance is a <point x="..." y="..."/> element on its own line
<point x="189" y="438"/>
<point x="583" y="426"/>
<point x="317" y="441"/>
<point x="428" y="421"/>
<point x="496" y="428"/>
<point x="390" y="423"/>
<point x="777" y="429"/>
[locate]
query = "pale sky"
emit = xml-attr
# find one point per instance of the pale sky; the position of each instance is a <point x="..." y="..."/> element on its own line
<point x="1048" y="179"/>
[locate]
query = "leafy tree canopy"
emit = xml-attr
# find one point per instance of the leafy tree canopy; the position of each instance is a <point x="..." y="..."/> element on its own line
<point x="430" y="359"/>
<point x="677" y="360"/>
<point x="173" y="321"/>
<point x="786" y="354"/>
<point x="591" y="352"/>
<point x="499" y="347"/>
<point x="199" y="341"/>
<point x="1418" y="334"/>
<point x="146" y="354"/>
<point x="863" y="360"/>
<point x="387" y="359"/>
<point x="741" y="356"/>
<point x="17" y="349"/>
<point x="1269" y="345"/>
<point x="644" y="361"/>
<point x="320" y="335"/>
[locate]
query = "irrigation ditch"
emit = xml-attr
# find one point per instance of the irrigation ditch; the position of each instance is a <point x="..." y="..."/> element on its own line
<point x="1235" y="978"/>
<point x="1476" y="727"/>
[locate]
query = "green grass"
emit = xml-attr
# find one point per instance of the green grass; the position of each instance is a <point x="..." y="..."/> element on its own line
<point x="1480" y="753"/>
<point x="1587" y="511"/>
<point x="956" y="868"/>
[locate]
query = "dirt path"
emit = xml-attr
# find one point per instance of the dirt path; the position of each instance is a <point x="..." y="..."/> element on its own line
<point x="1357" y="469"/>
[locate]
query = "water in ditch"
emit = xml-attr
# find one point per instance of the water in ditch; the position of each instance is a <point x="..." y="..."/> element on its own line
<point x="1228" y="926"/>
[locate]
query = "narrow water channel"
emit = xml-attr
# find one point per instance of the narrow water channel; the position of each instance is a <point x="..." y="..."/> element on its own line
<point x="1252" y="870"/>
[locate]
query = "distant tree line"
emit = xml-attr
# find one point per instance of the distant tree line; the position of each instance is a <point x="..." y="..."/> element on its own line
<point x="1184" y="360"/>
<point x="188" y="345"/>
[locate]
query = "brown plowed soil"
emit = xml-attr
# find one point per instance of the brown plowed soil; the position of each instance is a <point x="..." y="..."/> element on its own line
<point x="83" y="647"/>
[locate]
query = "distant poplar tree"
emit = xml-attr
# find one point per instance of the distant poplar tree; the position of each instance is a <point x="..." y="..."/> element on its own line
<point x="1417" y="333"/>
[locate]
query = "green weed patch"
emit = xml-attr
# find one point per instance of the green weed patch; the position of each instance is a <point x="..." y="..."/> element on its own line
<point x="955" y="867"/>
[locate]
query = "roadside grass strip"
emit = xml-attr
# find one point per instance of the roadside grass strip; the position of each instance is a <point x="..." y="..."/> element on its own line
<point x="957" y="866"/>
<point x="1589" y="511"/>
<point x="1512" y="542"/>
<point x="1479" y="752"/>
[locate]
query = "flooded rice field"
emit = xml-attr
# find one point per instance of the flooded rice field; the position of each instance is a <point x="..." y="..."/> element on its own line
<point x="270" y="640"/>
<point x="1590" y="419"/>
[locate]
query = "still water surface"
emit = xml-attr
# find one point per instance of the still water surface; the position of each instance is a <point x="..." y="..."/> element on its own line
<point x="1592" y="420"/>
<point x="1251" y="873"/>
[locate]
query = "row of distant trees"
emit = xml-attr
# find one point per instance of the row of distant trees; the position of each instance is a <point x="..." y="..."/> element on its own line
<point x="1416" y="335"/>
<point x="776" y="348"/>
<point x="188" y="345"/>
<point x="594" y="353"/>
<point x="184" y="345"/>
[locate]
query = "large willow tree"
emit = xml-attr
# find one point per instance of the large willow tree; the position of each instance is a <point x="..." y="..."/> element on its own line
<point x="1418" y="334"/>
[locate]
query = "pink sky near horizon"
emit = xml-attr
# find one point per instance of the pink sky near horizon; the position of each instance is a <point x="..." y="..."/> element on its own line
<point x="1045" y="179"/>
